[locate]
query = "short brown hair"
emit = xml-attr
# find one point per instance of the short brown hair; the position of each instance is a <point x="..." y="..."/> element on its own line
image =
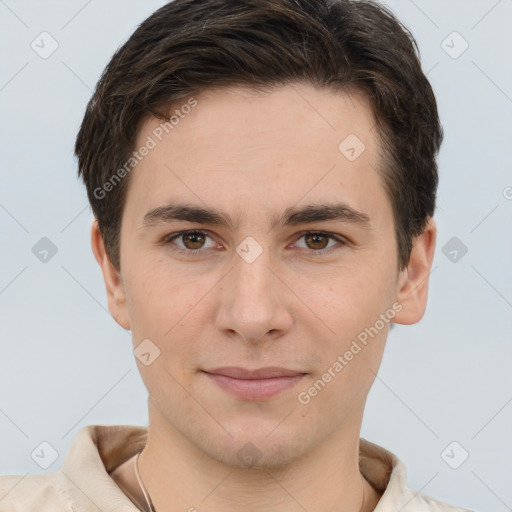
<point x="190" y="45"/>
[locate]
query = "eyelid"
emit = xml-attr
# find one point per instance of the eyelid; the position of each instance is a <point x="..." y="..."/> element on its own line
<point x="172" y="236"/>
<point x="342" y="241"/>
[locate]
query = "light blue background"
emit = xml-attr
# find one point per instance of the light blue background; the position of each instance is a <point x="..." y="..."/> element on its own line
<point x="65" y="363"/>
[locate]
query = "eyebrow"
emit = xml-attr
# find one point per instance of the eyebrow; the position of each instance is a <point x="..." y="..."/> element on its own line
<point x="291" y="217"/>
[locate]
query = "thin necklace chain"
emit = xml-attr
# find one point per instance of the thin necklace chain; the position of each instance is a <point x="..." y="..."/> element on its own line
<point x="142" y="487"/>
<point x="148" y="499"/>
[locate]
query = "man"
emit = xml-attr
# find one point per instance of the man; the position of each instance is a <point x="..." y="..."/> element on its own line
<point x="263" y="179"/>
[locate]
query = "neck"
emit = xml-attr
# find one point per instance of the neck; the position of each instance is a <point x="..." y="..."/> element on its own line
<point x="178" y="476"/>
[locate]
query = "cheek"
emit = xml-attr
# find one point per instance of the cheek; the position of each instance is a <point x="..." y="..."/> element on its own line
<point x="158" y="300"/>
<point x="350" y="303"/>
<point x="347" y="300"/>
<point x="171" y="310"/>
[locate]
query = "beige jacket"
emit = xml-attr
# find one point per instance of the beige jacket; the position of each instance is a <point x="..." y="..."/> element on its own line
<point x="83" y="483"/>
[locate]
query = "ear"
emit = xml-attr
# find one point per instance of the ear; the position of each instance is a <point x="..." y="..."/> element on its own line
<point x="413" y="281"/>
<point x="114" y="285"/>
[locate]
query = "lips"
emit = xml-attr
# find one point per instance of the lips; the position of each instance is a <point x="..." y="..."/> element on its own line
<point x="252" y="385"/>
<point x="236" y="372"/>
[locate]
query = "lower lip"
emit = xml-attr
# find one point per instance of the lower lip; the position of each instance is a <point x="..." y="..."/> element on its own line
<point x="255" y="389"/>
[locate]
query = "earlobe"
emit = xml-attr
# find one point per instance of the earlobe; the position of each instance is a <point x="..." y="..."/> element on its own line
<point x="116" y="295"/>
<point x="413" y="281"/>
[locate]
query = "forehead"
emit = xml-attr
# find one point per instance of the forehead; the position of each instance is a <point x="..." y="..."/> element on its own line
<point x="236" y="145"/>
<point x="240" y="117"/>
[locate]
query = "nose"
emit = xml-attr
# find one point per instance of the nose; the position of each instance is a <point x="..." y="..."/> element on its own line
<point x="254" y="303"/>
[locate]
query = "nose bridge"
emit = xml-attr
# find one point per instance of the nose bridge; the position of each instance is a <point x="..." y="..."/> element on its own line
<point x="251" y="304"/>
<point x="252" y="281"/>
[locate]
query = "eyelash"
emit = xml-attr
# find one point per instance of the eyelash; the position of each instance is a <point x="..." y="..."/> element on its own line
<point x="194" y="252"/>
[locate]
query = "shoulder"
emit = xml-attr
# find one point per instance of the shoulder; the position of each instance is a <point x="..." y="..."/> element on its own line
<point x="417" y="502"/>
<point x="41" y="492"/>
<point x="387" y="474"/>
<point x="83" y="483"/>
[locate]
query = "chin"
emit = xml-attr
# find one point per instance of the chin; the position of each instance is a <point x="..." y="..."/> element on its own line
<point x="258" y="448"/>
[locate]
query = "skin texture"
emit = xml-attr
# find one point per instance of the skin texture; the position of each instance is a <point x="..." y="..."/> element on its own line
<point x="253" y="155"/>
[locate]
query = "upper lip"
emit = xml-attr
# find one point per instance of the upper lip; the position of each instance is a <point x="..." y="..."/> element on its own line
<point x="237" y="372"/>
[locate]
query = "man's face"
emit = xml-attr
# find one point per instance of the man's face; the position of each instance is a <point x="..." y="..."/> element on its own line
<point x="267" y="288"/>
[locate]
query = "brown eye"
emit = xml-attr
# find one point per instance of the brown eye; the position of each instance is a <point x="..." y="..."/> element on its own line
<point x="193" y="240"/>
<point x="316" y="241"/>
<point x="190" y="243"/>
